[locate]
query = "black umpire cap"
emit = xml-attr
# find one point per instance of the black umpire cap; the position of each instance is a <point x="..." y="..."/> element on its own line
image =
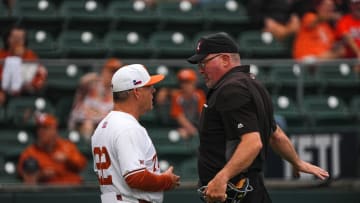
<point x="213" y="43"/>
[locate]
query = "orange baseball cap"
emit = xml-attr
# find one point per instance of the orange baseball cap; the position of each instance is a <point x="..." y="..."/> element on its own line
<point x="46" y="120"/>
<point x="187" y="75"/>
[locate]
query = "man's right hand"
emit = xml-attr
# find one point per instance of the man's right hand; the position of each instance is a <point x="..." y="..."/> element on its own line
<point x="175" y="178"/>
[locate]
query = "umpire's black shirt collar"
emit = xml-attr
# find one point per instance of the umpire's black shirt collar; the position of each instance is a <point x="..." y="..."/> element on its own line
<point x="241" y="68"/>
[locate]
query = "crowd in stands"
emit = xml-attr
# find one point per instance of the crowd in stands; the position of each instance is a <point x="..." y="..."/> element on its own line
<point x="318" y="29"/>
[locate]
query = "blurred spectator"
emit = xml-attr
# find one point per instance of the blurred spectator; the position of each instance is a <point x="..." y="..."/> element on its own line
<point x="279" y="17"/>
<point x="9" y="4"/>
<point x="51" y="159"/>
<point x="187" y="103"/>
<point x="316" y="37"/>
<point x="20" y="72"/>
<point x="93" y="99"/>
<point x="348" y="29"/>
<point x="162" y="105"/>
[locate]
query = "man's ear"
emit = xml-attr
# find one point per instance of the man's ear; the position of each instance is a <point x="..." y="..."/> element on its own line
<point x="136" y="93"/>
<point x="226" y="60"/>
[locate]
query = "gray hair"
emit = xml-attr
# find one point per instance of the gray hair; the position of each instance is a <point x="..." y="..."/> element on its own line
<point x="121" y="96"/>
<point x="235" y="58"/>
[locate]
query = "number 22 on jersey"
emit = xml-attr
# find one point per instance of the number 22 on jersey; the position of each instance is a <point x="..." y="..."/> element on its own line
<point x="102" y="162"/>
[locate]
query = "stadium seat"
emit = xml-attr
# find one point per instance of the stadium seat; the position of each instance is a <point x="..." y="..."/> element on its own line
<point x="38" y="14"/>
<point x="41" y="9"/>
<point x="127" y="44"/>
<point x="261" y="73"/>
<point x="81" y="44"/>
<point x="85" y="15"/>
<point x="253" y="45"/>
<point x="229" y="16"/>
<point x="132" y="15"/>
<point x="63" y="77"/>
<point x="88" y="173"/>
<point x="287" y="108"/>
<point x="149" y="119"/>
<point x="169" y="72"/>
<point x="7" y="174"/>
<point x="10" y="160"/>
<point x="11" y="138"/>
<point x="63" y="109"/>
<point x="188" y="170"/>
<point x="202" y="33"/>
<point x="170" y="44"/>
<point x="43" y="44"/>
<point x="168" y="144"/>
<point x="12" y="143"/>
<point x="9" y="179"/>
<point x="3" y="174"/>
<point x="3" y="119"/>
<point x="286" y="77"/>
<point x="355" y="108"/>
<point x="57" y="3"/>
<point x="21" y="110"/>
<point x="329" y="113"/>
<point x="6" y="20"/>
<point x="4" y="13"/>
<point x="12" y="154"/>
<point x="339" y="79"/>
<point x="173" y="15"/>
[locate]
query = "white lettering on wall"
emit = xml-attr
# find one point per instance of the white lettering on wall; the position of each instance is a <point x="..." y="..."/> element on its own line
<point x="317" y="149"/>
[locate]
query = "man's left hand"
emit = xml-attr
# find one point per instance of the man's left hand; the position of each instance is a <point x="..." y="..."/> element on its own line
<point x="306" y="167"/>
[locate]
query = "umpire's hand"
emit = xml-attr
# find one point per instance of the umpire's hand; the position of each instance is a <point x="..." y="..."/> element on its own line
<point x="216" y="190"/>
<point x="305" y="167"/>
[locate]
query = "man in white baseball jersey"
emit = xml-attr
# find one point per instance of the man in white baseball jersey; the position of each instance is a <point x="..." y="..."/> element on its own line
<point x="125" y="159"/>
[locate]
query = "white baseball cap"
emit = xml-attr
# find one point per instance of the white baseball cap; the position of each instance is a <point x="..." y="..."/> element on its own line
<point x="133" y="76"/>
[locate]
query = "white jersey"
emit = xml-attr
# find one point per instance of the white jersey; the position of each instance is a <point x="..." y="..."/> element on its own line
<point x="121" y="147"/>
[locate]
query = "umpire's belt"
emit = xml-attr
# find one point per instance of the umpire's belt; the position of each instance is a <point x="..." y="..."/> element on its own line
<point x="119" y="197"/>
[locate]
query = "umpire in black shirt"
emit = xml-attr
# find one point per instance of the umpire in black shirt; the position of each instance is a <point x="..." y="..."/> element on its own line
<point x="237" y="124"/>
